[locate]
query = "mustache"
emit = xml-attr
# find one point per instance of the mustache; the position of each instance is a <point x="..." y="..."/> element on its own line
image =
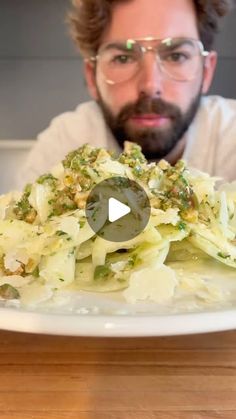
<point x="147" y="105"/>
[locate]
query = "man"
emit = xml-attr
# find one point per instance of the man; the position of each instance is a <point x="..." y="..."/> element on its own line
<point x="148" y="65"/>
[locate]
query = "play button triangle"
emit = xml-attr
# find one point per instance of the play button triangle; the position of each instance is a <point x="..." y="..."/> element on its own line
<point x="117" y="210"/>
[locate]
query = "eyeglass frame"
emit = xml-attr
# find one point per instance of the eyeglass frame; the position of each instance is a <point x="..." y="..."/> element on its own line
<point x="204" y="53"/>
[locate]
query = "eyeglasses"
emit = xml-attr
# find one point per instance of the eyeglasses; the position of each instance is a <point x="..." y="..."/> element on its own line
<point x="179" y="59"/>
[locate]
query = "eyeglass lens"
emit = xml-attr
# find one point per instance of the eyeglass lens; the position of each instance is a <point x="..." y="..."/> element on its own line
<point x="178" y="58"/>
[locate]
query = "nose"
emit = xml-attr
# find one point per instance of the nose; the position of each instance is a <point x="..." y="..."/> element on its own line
<point x="150" y="76"/>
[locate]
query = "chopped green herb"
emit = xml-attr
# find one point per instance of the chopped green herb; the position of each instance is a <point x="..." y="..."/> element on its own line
<point x="48" y="178"/>
<point x="36" y="272"/>
<point x="60" y="233"/>
<point x="181" y="226"/>
<point x="101" y="272"/>
<point x="223" y="255"/>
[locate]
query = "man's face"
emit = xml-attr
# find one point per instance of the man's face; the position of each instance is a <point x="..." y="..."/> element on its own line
<point x="150" y="108"/>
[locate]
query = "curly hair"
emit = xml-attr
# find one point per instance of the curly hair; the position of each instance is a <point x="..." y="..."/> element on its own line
<point x="89" y="18"/>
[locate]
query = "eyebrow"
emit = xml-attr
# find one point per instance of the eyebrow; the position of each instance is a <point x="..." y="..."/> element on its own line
<point x="126" y="45"/>
<point x="179" y="42"/>
<point x="123" y="46"/>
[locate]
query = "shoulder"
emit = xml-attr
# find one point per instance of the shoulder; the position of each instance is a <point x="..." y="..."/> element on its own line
<point x="222" y="133"/>
<point x="211" y="137"/>
<point x="216" y="120"/>
<point x="215" y="116"/>
<point x="218" y="106"/>
<point x="83" y="112"/>
<point x="70" y="129"/>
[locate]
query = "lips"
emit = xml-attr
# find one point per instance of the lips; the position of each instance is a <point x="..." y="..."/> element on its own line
<point x="150" y="120"/>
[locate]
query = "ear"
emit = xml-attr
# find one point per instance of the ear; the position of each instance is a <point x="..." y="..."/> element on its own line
<point x="209" y="70"/>
<point x="90" y="76"/>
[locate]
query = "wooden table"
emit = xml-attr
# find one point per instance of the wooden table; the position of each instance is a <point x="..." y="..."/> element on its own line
<point x="53" y="377"/>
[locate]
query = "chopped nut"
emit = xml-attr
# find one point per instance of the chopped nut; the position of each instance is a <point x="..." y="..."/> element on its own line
<point x="163" y="164"/>
<point x="30" y="217"/>
<point x="81" y="198"/>
<point x="18" y="271"/>
<point x="190" y="215"/>
<point x="102" y="154"/>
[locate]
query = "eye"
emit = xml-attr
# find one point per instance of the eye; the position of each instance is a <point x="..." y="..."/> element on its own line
<point x="176" y="57"/>
<point x="122" y="59"/>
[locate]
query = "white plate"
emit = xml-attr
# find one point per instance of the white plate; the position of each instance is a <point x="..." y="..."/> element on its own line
<point x="115" y="319"/>
<point x="116" y="326"/>
<point x="109" y="314"/>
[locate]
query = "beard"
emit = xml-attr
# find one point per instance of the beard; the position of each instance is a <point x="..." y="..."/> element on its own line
<point x="156" y="142"/>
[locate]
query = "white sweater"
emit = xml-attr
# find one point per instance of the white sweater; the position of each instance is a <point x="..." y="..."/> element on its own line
<point x="211" y="139"/>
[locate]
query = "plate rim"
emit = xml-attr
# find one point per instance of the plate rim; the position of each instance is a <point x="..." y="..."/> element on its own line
<point x="96" y="325"/>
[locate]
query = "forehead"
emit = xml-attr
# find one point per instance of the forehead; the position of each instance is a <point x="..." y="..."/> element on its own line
<point x="157" y="18"/>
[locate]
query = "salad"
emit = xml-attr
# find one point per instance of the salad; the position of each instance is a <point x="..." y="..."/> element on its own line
<point x="47" y="245"/>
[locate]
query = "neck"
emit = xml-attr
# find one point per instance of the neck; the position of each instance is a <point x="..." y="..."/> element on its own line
<point x="176" y="153"/>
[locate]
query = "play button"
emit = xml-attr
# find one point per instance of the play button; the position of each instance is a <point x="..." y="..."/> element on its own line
<point x="118" y="209"/>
